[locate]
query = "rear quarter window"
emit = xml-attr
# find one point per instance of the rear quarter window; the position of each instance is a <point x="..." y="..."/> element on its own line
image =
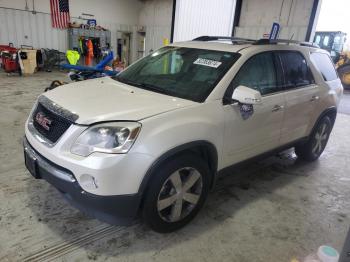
<point x="324" y="65"/>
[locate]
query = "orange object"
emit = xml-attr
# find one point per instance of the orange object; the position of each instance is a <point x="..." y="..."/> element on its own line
<point x="90" y="54"/>
<point x="118" y="65"/>
<point x="88" y="60"/>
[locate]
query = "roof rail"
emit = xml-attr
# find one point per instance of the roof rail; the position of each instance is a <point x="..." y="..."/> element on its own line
<point x="206" y="38"/>
<point x="284" y="41"/>
<point x="262" y="41"/>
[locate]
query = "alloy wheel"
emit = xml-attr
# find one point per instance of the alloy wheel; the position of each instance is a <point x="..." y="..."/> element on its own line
<point x="321" y="137"/>
<point x="179" y="194"/>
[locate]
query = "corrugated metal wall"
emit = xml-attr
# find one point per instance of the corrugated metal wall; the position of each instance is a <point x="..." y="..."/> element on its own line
<point x="155" y="36"/>
<point x="257" y="32"/>
<point x="257" y="18"/>
<point x="24" y="28"/>
<point x="155" y="16"/>
<point x="203" y="17"/>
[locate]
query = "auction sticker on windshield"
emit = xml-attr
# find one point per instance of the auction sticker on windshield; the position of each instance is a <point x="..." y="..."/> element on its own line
<point x="207" y="62"/>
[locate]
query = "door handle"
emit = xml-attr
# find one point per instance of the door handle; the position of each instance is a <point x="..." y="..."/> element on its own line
<point x="277" y="108"/>
<point x="314" y="98"/>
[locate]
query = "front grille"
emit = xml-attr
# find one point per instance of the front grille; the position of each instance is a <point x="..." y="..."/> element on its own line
<point x="55" y="128"/>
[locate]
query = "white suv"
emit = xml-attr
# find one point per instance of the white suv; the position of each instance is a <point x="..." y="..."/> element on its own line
<point x="151" y="141"/>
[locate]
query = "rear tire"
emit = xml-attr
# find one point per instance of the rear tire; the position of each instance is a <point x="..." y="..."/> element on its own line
<point x="176" y="193"/>
<point x="313" y="148"/>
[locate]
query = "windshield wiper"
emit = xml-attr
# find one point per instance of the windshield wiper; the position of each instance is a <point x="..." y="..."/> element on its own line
<point x="127" y="81"/>
<point x="142" y="85"/>
<point x="154" y="88"/>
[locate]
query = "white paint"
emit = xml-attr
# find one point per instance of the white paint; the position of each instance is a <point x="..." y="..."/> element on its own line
<point x="168" y="122"/>
<point x="207" y="62"/>
<point x="257" y="18"/>
<point x="195" y="18"/>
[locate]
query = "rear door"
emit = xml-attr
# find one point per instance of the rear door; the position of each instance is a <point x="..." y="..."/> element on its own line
<point x="301" y="93"/>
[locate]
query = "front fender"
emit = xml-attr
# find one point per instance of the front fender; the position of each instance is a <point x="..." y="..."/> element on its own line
<point x="167" y="134"/>
<point x="201" y="122"/>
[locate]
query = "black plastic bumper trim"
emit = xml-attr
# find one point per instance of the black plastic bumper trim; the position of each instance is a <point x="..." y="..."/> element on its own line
<point x="117" y="210"/>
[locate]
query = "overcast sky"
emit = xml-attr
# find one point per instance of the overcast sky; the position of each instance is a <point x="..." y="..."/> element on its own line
<point x="335" y="16"/>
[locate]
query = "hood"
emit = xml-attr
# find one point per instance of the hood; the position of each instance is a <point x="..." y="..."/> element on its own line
<point x="105" y="99"/>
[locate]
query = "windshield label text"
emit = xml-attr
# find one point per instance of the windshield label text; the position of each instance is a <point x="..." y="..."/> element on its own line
<point x="207" y="62"/>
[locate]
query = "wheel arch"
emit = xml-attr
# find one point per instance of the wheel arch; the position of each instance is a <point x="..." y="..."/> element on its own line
<point x="204" y="149"/>
<point x="331" y="111"/>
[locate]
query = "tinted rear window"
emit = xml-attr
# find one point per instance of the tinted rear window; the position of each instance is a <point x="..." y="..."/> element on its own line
<point x="324" y="65"/>
<point x="296" y="70"/>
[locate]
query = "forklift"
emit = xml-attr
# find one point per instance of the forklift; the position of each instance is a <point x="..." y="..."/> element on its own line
<point x="333" y="42"/>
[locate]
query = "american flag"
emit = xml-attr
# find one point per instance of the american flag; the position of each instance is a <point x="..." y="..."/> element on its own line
<point x="59" y="13"/>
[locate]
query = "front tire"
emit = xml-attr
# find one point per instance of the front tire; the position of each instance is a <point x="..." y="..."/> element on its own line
<point x="313" y="148"/>
<point x="176" y="193"/>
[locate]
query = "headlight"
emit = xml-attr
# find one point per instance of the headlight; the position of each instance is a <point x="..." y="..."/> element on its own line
<point x="114" y="138"/>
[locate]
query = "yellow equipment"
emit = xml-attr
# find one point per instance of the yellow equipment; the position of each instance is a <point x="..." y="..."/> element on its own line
<point x="343" y="68"/>
<point x="333" y="42"/>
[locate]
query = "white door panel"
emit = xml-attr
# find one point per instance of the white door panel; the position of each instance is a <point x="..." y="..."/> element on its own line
<point x="300" y="109"/>
<point x="259" y="133"/>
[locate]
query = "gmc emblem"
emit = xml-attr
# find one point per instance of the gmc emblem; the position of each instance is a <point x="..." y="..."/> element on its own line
<point x="42" y="120"/>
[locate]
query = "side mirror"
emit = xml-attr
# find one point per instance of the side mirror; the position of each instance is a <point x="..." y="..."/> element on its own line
<point x="246" y="95"/>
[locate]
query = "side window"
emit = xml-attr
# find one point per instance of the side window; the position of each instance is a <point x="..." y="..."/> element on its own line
<point x="258" y="73"/>
<point x="324" y="65"/>
<point x="296" y="70"/>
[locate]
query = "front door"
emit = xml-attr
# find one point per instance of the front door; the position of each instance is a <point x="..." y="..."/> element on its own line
<point x="247" y="137"/>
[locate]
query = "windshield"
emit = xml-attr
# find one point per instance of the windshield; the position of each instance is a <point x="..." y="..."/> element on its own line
<point x="187" y="73"/>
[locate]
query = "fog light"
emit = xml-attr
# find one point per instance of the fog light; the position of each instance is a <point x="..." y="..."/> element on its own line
<point x="88" y="182"/>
